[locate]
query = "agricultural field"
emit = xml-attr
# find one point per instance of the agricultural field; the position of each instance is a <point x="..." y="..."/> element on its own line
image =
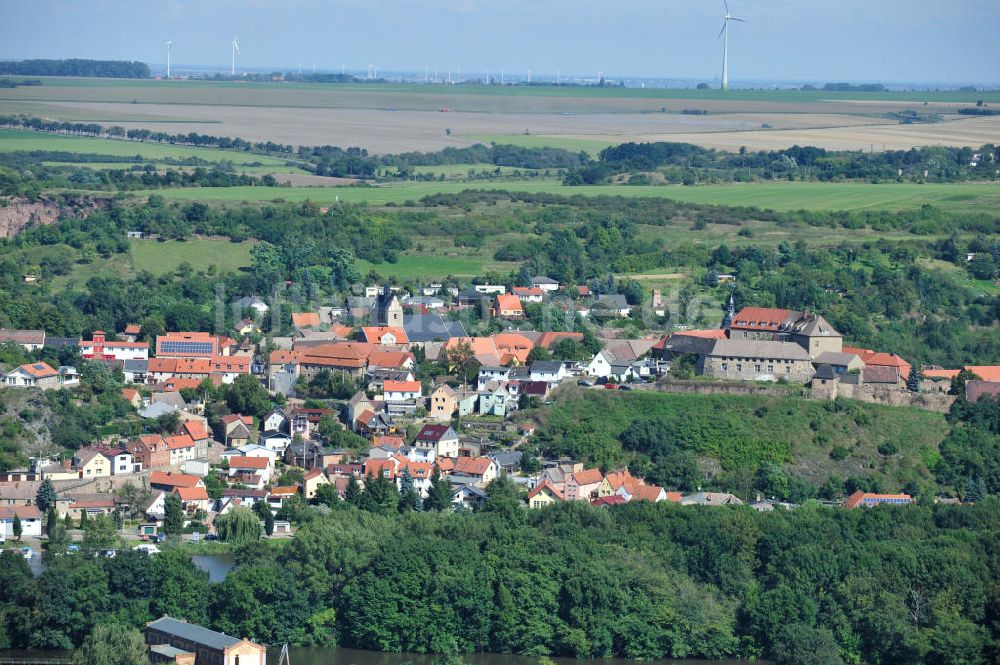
<point x="12" y="140"/>
<point x="775" y="196"/>
<point x="388" y="118"/>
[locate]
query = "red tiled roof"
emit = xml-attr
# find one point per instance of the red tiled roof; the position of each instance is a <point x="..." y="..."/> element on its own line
<point x="39" y="370"/>
<point x="284" y="490"/>
<point x="940" y="373"/>
<point x="170" y="479"/>
<point x="647" y="493"/>
<point x="613" y="500"/>
<point x="473" y="466"/>
<point x="179" y="441"/>
<point x="858" y="498"/>
<point x="133" y="329"/>
<point x="985" y="372"/>
<point x="588" y="476"/>
<point x="432" y="432"/>
<point x="23" y="512"/>
<point x="191" y="493"/>
<point x="675" y="497"/>
<point x="241" y="462"/>
<point x="195" y="429"/>
<point x="401" y="386"/>
<point x="374" y="334"/>
<point x="381" y="467"/>
<point x="760" y="318"/>
<point x="508" y="303"/>
<point x="388" y="358"/>
<point x="305" y="319"/>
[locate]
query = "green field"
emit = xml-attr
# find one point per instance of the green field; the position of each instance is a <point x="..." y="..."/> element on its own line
<point x="56" y="88"/>
<point x="775" y="196"/>
<point x="12" y="140"/>
<point x="163" y="257"/>
<point x="153" y="256"/>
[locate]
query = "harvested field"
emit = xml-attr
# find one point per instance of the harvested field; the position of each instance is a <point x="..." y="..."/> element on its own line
<point x="398" y="118"/>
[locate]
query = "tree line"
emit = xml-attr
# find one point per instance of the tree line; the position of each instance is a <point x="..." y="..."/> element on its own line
<point x="121" y="69"/>
<point x="887" y="585"/>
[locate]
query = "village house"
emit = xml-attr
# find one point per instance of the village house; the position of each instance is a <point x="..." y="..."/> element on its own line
<point x="34" y="375"/>
<point x="193" y="499"/>
<point x="385" y="335"/>
<point x="508" y="306"/>
<point x="711" y="499"/>
<point x="29" y="340"/>
<point x="150" y="451"/>
<point x="246" y="469"/>
<point x="583" y="485"/>
<point x="442" y="439"/>
<point x="188" y="345"/>
<point x="481" y="469"/>
<point x="91" y="463"/>
<point x="529" y="293"/>
<point x="545" y="283"/>
<point x="312" y="480"/>
<point x="236" y="430"/>
<point x="443" y="403"/>
<point x="29" y="516"/>
<point x="549" y="371"/>
<point x="544" y="494"/>
<point x="181" y="447"/>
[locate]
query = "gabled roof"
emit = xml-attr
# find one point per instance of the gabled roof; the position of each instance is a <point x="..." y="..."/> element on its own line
<point x="880" y="374"/>
<point x="191" y="493"/>
<point x="985" y="372"/>
<point x="763" y="349"/>
<point x="508" y="302"/>
<point x="193" y="633"/>
<point x="588" y="476"/>
<point x="401" y="386"/>
<point x="548" y="339"/>
<point x="762" y="318"/>
<point x="179" y="441"/>
<point x="545" y="486"/>
<point x="240" y="462"/>
<point x="22" y="336"/>
<point x="195" y="429"/>
<point x="305" y="319"/>
<point x="169" y="479"/>
<point x="388" y="358"/>
<point x="375" y="334"/>
<point x="22" y="512"/>
<point x="436" y="433"/>
<point x="473" y="466"/>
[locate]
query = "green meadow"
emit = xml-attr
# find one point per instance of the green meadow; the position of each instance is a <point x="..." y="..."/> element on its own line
<point x="770" y="195"/>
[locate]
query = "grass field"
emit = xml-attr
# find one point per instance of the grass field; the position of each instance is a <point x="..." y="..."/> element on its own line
<point x="163" y="257"/>
<point x="156" y="257"/>
<point x="426" y="266"/>
<point x="12" y="140"/>
<point x="775" y="196"/>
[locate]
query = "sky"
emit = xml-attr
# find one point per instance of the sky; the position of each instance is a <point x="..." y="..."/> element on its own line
<point x="782" y="40"/>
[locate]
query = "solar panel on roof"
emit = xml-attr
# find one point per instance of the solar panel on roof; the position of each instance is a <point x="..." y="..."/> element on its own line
<point x="186" y="347"/>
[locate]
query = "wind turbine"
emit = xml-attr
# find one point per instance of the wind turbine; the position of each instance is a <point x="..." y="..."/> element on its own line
<point x="236" y="50"/>
<point x="169" y="44"/>
<point x="724" y="33"/>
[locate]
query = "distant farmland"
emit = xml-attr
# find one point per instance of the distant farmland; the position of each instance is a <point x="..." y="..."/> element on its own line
<point x="390" y="118"/>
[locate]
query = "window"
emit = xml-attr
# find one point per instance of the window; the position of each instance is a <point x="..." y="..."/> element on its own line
<point x="725" y="367"/>
<point x="788" y="369"/>
<point x="756" y="368"/>
<point x="739" y="367"/>
<point x="770" y="369"/>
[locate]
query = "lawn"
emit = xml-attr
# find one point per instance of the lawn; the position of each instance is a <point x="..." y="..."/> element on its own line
<point x="12" y="140"/>
<point x="776" y="196"/>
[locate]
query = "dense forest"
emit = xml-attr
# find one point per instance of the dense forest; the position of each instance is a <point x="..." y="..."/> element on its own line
<point x="121" y="69"/>
<point x="811" y="586"/>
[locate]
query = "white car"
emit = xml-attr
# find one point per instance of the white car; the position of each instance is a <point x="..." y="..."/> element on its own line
<point x="148" y="548"/>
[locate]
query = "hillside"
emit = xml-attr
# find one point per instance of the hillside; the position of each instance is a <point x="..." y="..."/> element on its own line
<point x="731" y="438"/>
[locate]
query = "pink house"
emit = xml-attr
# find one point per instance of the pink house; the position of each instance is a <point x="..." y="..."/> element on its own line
<point x="583" y="485"/>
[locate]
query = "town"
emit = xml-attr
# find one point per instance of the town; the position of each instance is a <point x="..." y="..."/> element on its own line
<point x="434" y="411"/>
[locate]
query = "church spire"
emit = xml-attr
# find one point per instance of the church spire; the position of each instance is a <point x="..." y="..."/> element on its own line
<point x="728" y="319"/>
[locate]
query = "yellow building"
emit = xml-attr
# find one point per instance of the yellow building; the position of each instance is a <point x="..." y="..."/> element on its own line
<point x="544" y="494"/>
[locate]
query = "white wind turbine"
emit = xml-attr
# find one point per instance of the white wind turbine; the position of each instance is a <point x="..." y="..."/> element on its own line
<point x="236" y="50"/>
<point x="169" y="44"/>
<point x="724" y="33"/>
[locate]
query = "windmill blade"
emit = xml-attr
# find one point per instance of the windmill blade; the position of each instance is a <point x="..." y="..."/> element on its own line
<point x="236" y="46"/>
<point x="741" y="20"/>
<point x="724" y="24"/>
<point x="727" y="6"/>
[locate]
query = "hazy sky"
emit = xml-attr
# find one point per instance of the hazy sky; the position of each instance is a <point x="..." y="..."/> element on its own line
<point x="885" y="40"/>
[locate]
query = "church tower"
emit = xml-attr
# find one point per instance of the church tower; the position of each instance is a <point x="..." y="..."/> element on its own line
<point x="388" y="311"/>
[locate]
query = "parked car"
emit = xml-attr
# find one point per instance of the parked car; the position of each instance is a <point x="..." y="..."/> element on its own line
<point x="148" y="548"/>
<point x="211" y="536"/>
<point x="585" y="383"/>
<point x="108" y="554"/>
<point x="611" y="386"/>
